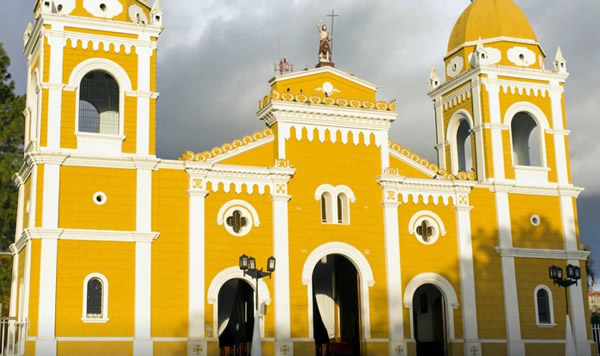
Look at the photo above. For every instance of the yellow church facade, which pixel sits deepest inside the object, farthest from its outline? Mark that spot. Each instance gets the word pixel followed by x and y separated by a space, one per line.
pixel 378 251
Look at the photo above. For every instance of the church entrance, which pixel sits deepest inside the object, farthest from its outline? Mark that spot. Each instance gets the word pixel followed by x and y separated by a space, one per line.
pixel 429 321
pixel 236 318
pixel 336 307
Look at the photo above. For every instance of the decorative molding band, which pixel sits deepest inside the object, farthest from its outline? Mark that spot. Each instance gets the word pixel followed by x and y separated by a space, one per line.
pixel 542 253
pixel 425 190
pixel 87 235
pixel 346 135
pixel 332 116
pixel 224 176
pixel 550 189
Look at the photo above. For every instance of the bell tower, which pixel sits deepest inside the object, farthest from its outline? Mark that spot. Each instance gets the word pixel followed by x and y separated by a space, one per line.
pixel 92 77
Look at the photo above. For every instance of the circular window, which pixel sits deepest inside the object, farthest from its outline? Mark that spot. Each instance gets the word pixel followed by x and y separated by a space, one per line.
pixel 99 198
pixel 535 220
pixel 426 230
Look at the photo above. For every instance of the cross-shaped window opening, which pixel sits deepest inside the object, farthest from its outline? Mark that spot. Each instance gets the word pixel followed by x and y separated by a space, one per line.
pixel 425 230
pixel 237 221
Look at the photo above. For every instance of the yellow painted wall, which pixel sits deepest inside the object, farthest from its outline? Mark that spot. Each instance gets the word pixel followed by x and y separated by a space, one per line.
pixel 440 257
pixel 170 348
pixel 20 281
pixel 34 288
pixel 77 187
pixel 223 250
pixel 355 166
pixel 67 128
pixel 152 137
pixel 77 259
pixel 44 119
pixel 170 261
pixel 261 156
pixel 532 272
pixel 26 200
pixel 488 266
pixel 130 125
pixel 406 170
pixel 549 234
pixel 39 195
pixel 113 348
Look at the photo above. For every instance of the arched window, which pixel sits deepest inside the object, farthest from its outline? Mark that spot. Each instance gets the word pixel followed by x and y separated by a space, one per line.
pixel 326 211
pixel 95 298
pixel 464 146
pixel 99 103
pixel 342 209
pixel 543 306
pixel 525 140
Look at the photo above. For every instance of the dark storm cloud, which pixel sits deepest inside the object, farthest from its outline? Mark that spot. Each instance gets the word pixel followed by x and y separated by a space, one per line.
pixel 216 56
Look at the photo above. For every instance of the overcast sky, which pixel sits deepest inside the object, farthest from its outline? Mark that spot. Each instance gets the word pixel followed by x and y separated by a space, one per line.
pixel 216 56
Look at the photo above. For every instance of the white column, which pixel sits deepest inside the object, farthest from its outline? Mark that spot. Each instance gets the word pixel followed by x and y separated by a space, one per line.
pixel 143 102
pixel 577 310
pixel 12 312
pixel 55 85
pixel 392 271
pixel 516 347
pixel 46 341
pixel 142 344
pixel 283 342
pixel 196 320
pixel 20 209
pixel 559 135
pixel 439 128
pixel 496 122
pixel 467 277
pixel 478 122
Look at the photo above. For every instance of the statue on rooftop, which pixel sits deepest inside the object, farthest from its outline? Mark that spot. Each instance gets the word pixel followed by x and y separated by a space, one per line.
pixel 324 46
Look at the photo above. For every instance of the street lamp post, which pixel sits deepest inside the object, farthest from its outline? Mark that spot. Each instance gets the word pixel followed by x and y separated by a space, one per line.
pixel 248 265
pixel 573 276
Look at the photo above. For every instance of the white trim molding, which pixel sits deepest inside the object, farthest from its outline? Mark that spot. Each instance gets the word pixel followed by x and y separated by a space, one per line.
pixel 438 224
pixel 542 253
pixel 332 208
pixel 103 318
pixel 247 211
pixel 550 306
pixel 362 267
pixel 444 287
pixel 229 273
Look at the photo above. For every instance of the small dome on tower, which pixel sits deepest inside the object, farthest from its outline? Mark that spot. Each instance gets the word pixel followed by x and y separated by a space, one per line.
pixel 490 19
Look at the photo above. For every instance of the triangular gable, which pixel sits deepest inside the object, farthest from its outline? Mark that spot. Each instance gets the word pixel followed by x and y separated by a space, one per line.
pixel 257 150
pixel 325 80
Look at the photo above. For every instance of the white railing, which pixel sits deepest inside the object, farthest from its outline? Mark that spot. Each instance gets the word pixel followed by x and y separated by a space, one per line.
pixel 12 337
pixel 596 337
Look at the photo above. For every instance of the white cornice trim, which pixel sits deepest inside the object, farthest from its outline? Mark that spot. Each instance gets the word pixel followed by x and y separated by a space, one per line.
pixel 550 189
pixel 414 164
pixel 493 40
pixel 325 69
pixel 92 23
pixel 542 253
pixel 240 150
pixel 89 235
pixel 325 115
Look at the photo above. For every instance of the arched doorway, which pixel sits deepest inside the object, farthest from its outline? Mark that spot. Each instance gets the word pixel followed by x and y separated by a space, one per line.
pixel 429 311
pixel 336 307
pixel 235 317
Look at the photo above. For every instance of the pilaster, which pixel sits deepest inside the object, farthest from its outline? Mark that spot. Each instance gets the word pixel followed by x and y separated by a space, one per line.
pixel 143 101
pixel 283 343
pixel 493 90
pixel 472 346
pixel 142 344
pixel 196 314
pixel 55 88
pixel 516 347
pixel 393 270
pixel 478 122
pixel 559 135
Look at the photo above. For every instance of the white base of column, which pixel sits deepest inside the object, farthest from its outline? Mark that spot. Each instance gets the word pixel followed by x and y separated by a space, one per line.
pixel 143 347
pixel 45 347
pixel 516 348
pixel 284 348
pixel 398 348
pixel 583 348
pixel 473 348
pixel 197 347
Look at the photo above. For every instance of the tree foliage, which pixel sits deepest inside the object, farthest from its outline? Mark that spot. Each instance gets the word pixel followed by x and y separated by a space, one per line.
pixel 11 149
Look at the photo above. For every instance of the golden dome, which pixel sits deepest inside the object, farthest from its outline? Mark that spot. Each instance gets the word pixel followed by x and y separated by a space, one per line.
pixel 490 19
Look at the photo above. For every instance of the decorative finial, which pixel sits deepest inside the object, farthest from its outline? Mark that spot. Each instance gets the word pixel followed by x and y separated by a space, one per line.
pixel 156 14
pixel 434 79
pixel 560 63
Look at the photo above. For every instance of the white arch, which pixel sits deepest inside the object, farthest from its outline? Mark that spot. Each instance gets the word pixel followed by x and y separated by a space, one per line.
pixel 445 288
pixel 412 224
pixel 104 64
pixel 334 191
pixel 332 206
pixel 362 267
pixel 104 317
pixel 221 278
pixel 550 306
pixel 538 116
pixel 235 203
pixel 451 135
